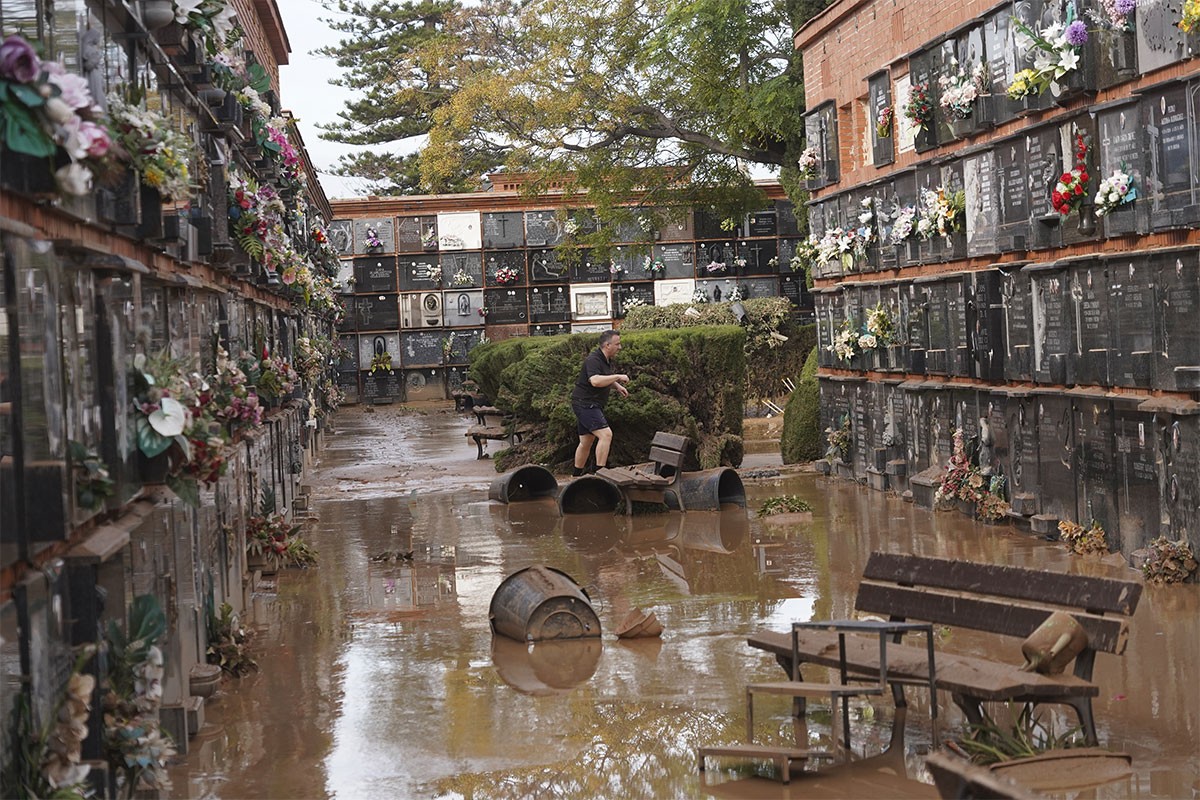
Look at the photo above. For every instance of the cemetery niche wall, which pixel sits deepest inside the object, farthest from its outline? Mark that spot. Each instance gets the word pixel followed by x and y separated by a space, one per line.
pixel 1040 279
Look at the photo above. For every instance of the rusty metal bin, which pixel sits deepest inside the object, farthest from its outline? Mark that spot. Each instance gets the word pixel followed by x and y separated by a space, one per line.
pixel 590 494
pixel 529 482
pixel 708 490
pixel 539 603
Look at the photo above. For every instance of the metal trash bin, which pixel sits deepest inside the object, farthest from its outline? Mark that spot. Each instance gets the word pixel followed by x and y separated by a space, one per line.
pixel 590 494
pixel 708 490
pixel 539 603
pixel 529 482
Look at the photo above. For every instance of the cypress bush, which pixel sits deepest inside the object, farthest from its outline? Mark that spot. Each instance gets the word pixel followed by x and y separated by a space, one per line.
pixel 801 439
pixel 685 381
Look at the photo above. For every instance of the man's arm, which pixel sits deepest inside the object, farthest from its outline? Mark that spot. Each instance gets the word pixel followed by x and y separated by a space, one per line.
pixel 616 380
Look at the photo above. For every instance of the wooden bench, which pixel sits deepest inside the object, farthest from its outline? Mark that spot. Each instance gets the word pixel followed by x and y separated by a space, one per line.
pixel 511 432
pixel 482 412
pixel 650 482
pixel 1011 601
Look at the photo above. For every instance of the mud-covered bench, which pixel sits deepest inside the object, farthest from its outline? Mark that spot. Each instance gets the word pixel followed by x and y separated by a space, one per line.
pixel 481 434
pixel 651 481
pixel 1011 601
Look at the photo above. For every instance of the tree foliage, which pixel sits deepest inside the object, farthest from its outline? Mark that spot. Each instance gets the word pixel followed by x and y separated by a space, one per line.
pixel 668 100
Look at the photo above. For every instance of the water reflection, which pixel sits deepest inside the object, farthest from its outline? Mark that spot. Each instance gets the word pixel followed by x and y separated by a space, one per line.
pixel 545 668
pixel 380 679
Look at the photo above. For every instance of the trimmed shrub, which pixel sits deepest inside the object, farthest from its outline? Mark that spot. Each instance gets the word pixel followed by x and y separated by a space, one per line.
pixel 682 381
pixel 801 439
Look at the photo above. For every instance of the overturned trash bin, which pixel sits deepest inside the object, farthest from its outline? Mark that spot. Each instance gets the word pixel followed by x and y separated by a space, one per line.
pixel 590 494
pixel 708 490
pixel 529 482
pixel 539 603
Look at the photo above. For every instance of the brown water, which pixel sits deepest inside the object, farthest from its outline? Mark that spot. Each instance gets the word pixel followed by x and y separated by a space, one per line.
pixel 382 679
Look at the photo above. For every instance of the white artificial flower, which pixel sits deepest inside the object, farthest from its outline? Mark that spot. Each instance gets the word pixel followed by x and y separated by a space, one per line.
pixel 74 179
pixel 185 7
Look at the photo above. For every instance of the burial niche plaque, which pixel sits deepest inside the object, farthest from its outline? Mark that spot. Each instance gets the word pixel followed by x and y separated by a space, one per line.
pixel 503 230
pixel 420 272
pixel 378 312
pixel 542 229
pixel 979 172
pixel 549 304
pixel 506 306
pixel 422 348
pixel 375 274
pixel 1123 147
pixel 679 260
pixel 416 234
pixel 1013 193
pixel 1172 169
pixel 1178 361
pixel 546 266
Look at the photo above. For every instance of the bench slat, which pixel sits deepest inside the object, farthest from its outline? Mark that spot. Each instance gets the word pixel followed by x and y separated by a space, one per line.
pixel 1107 634
pixel 670 441
pixel 1098 595
pixel 968 675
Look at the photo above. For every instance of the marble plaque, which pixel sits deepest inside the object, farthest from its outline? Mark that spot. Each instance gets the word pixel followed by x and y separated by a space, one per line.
pixel 591 302
pixel 1089 297
pixel 591 269
pixel 1001 57
pixel 1016 299
pixel 375 274
pixel 367 231
pixel 417 234
pixel 1053 329
pixel 1096 482
pixel 1180 453
pixel 1123 146
pixel 792 288
pixel 923 70
pixel 986 320
pixel 420 272
pixel 542 229
pixel 554 329
pixel 678 229
pixel 1173 173
pixel 459 230
pixel 914 309
pixel 550 304
pixel 1134 299
pixel 589 327
pixel 1177 361
pixel 345 280
pixel 424 384
pixel 763 223
pixel 785 214
pixel 1020 423
pixel 503 230
pixel 421 310
pixel 761 256
pixel 821 133
pixel 421 348
pixel 347 383
pixel 708 226
pixel 382 387
pixel 504 259
pixel 981 186
pixel 679 259
pixel 377 312
pixel 937 352
pixel 348 360
pixel 1058 458
pixel 462 270
pixel 1043 167
pixel 958 349
pixel 623 294
pixel 460 307
pixel 545 266
pixel 674 291
pixel 823 308
pixel 506 306
pixel 625 263
pixel 757 287
pixel 1136 473
pixel 1012 190
pixel 879 97
pixel 1159 40
pixel 341 236
pixel 374 344
pixel 1116 57
pixel 638 228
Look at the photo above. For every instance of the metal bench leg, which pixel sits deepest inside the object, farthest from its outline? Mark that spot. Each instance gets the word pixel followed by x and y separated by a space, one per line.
pixel 749 717
pixel 478 444
pixel 1083 707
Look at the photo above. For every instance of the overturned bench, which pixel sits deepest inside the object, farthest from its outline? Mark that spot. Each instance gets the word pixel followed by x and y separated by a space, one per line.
pixel 1011 601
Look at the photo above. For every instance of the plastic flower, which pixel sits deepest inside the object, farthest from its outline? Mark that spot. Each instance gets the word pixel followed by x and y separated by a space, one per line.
pixel 1076 33
pixel 1115 190
pixel 919 107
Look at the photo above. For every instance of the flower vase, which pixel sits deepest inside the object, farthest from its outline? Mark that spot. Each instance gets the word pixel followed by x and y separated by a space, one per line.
pixel 962 128
pixel 1087 219
pixel 157 13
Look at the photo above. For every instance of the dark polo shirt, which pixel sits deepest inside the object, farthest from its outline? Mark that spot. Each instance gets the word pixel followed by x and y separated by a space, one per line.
pixel 584 393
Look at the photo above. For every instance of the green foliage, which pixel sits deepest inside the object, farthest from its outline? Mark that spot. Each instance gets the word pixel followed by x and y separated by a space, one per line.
pixel 670 98
pixel 991 742
pixel 680 383
pixel 783 504
pixel 147 624
pixel 801 439
pixel 227 643
pixel 774 341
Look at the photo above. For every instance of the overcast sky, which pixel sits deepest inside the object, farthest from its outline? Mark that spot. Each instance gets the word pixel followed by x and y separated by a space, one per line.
pixel 306 91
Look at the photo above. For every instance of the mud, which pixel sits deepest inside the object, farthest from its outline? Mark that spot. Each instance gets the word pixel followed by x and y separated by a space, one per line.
pixel 382 678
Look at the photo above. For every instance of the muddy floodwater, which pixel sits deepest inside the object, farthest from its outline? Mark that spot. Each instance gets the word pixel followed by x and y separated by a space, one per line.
pixel 379 676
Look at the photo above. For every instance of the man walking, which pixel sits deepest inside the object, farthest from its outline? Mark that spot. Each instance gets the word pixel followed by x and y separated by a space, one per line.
pixel 588 397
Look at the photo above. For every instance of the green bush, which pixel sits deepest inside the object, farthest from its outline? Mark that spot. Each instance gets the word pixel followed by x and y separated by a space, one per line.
pixel 682 381
pixel 801 439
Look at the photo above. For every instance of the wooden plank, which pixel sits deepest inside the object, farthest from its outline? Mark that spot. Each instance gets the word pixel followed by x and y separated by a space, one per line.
pixel 670 441
pixel 1097 595
pixel 670 458
pixel 967 675
pixel 624 476
pixel 486 432
pixel 964 610
pixel 806 689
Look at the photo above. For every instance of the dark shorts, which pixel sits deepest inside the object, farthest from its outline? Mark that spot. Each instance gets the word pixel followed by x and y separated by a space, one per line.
pixel 591 418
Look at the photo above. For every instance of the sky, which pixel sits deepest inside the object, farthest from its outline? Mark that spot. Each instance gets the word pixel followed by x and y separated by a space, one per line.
pixel 306 92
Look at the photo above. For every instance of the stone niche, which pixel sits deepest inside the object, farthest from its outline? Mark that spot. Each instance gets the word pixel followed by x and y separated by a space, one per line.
pixel 1177 360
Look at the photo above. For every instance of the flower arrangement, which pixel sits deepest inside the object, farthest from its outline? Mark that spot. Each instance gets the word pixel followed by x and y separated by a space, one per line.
pixel 1071 189
pixel 373 241
pixel 963 480
pixel 228 642
pixel 918 109
pixel 883 124
pixel 1115 190
pixel 1080 540
pixel 838 441
pixel 1169 562
pixel 615 269
pixel 507 275
pixel 215 19
pixel 1118 14
pixel 234 399
pixel 1189 21
pixel 44 108
pixel 273 376
pixel 272 537
pixel 159 152
pixel 138 749
pixel 881 324
pixel 483 311
pixel 942 212
pixel 429 237
pixel 461 278
pixel 699 296
pixel 845 341
pixel 570 226
pixel 960 88
pixel 809 163
pixel 1056 55
pixel 904 225
pixel 716 268
pixel 806 253
pixel 632 303
pixel 93 483
pixel 739 262
pixel 654 267
pixel 381 362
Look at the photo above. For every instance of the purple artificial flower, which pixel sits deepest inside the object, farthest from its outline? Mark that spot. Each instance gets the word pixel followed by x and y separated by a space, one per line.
pixel 1125 7
pixel 1076 33
pixel 18 61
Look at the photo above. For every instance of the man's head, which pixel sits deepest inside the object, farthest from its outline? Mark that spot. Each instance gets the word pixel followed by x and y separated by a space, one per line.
pixel 610 344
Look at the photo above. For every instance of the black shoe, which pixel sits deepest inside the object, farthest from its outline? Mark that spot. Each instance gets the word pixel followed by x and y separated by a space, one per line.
pixel 576 472
pixel 596 468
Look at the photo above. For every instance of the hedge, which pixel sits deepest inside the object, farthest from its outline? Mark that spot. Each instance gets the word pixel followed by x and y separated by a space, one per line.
pixel 801 440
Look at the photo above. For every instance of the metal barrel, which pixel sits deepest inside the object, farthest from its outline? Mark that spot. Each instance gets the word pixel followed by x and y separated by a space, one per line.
pixel 708 490
pixel 590 494
pixel 539 603
pixel 529 482
pixel 545 668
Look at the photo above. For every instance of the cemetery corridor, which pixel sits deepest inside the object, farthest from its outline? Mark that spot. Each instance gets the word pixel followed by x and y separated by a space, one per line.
pixel 380 678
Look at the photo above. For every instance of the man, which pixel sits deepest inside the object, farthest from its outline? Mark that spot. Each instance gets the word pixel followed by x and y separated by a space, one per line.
pixel 592 387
